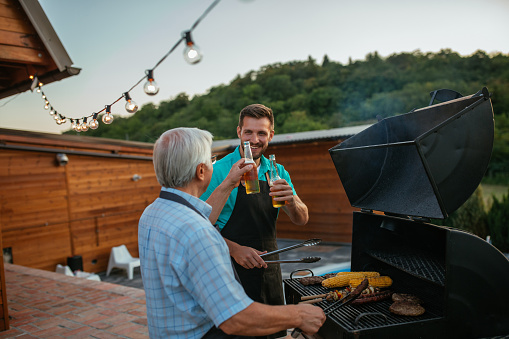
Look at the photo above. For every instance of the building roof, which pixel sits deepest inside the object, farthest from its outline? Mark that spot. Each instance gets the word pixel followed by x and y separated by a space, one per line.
pixel 287 138
pixel 29 46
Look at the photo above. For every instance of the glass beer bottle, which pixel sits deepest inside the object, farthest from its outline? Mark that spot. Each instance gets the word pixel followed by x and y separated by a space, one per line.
pixel 273 176
pixel 251 177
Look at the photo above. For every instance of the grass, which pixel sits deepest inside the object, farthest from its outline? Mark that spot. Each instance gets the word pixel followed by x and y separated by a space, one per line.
pixel 493 190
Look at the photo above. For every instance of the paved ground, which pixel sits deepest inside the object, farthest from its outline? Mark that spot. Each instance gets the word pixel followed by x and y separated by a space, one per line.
pixel 334 257
pixel 44 304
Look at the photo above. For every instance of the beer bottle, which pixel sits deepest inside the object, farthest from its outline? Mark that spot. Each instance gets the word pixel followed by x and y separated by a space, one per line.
pixel 251 177
pixel 273 176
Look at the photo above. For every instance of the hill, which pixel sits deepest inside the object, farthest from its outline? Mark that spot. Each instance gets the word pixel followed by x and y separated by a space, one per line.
pixel 308 96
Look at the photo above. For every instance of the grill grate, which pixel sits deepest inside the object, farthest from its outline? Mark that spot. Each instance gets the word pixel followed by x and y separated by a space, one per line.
pixel 346 316
pixel 413 261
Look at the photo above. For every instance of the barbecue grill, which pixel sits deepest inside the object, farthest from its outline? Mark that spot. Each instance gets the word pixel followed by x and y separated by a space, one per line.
pixel 402 172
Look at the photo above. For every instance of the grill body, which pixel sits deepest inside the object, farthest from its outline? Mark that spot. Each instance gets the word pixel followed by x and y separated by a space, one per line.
pixel 461 279
pixel 420 165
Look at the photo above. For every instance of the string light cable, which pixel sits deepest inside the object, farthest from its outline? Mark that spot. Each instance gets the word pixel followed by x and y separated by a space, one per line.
pixel 192 55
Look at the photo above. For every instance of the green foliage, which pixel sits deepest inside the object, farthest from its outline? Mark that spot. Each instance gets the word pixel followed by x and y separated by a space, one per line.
pixel 306 96
pixel 471 216
pixel 498 217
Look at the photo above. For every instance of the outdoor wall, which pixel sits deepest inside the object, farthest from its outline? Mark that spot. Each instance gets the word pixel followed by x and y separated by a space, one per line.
pixel 318 185
pixel 51 212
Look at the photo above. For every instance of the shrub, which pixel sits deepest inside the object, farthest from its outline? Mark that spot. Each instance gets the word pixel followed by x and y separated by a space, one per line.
pixel 471 216
pixel 498 217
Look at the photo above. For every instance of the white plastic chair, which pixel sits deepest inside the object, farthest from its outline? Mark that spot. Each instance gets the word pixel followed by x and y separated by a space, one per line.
pixel 121 258
pixel 64 270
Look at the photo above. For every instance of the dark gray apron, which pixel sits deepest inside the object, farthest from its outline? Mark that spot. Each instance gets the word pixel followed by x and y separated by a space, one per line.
pixel 214 332
pixel 253 224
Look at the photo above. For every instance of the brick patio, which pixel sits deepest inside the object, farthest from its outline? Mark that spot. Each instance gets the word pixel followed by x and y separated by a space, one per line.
pixel 45 304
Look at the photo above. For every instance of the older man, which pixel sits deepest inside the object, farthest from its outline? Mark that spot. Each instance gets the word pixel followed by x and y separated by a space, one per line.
pixel 190 286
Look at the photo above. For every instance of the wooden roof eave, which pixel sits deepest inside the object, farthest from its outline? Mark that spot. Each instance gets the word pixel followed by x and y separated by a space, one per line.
pixel 46 33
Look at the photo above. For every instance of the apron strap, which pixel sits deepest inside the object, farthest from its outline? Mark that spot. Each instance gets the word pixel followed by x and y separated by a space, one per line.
pixel 177 198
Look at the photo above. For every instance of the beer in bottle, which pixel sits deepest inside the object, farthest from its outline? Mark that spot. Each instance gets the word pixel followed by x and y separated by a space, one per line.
pixel 251 177
pixel 273 176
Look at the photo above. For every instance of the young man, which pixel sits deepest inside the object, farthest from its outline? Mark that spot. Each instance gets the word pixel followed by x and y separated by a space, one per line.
pixel 248 221
pixel 190 286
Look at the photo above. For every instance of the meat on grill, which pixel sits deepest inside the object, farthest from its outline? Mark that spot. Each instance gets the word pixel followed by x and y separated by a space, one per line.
pixel 315 280
pixel 406 308
pixel 406 297
pixel 372 297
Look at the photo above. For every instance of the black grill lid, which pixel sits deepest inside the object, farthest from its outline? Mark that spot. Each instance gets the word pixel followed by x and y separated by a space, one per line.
pixel 424 163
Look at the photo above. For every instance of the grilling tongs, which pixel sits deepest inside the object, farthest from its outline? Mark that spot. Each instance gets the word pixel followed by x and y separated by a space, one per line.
pixel 309 242
pixel 338 304
pixel 303 260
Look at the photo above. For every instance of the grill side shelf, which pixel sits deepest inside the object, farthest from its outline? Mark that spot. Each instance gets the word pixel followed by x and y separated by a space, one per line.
pixel 413 261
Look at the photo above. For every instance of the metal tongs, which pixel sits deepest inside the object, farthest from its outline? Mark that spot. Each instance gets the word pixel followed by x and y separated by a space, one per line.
pixel 338 304
pixel 309 242
pixel 304 260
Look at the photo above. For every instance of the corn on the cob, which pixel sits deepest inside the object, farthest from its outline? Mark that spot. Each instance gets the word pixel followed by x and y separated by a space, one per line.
pixel 342 279
pixel 381 282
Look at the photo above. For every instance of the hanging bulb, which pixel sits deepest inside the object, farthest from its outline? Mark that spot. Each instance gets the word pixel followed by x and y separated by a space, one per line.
pixel 52 111
pixel 108 118
pixel 192 53
pixel 46 104
pixel 39 88
pixel 78 126
pixel 73 125
pixel 93 124
pixel 59 121
pixel 62 118
pixel 130 105
pixel 150 86
pixel 56 117
pixel 84 125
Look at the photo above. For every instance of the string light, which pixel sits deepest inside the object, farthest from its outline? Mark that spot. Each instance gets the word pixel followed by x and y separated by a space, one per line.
pixel 150 86
pixel 93 124
pixel 192 55
pixel 108 118
pixel 130 106
pixel 77 127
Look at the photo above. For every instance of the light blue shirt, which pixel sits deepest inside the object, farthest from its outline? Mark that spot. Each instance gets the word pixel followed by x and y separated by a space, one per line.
pixel 222 168
pixel 186 270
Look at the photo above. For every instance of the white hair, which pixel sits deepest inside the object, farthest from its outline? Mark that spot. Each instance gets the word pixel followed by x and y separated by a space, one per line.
pixel 177 152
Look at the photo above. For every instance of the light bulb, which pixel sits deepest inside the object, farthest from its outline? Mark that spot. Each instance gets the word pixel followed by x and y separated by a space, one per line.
pixel 93 124
pixel 130 106
pixel 52 111
pixel 192 53
pixel 150 86
pixel 107 118
pixel 59 122
pixel 56 117
pixel 84 125
pixel 77 128
pixel 46 105
pixel 73 125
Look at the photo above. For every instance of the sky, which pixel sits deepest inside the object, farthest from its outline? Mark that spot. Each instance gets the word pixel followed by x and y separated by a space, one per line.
pixel 115 41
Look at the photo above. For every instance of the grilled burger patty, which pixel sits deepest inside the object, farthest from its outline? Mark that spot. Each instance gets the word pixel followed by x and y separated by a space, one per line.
pixel 406 308
pixel 405 297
